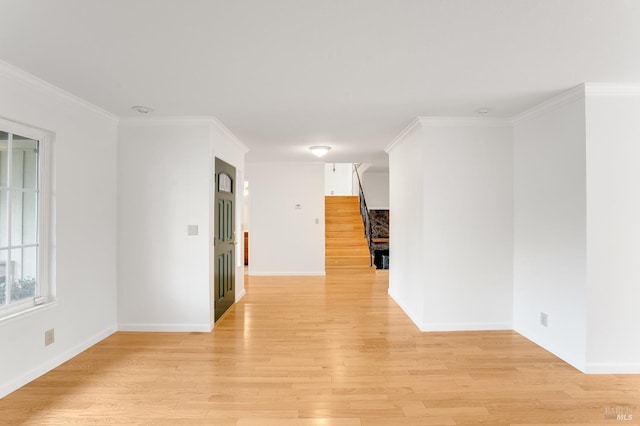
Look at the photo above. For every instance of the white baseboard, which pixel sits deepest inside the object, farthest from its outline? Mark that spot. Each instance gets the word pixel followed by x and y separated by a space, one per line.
pixel 466 326
pixel 572 359
pixel 18 382
pixel 240 295
pixel 611 368
pixel 454 326
pixel 168 328
pixel 404 308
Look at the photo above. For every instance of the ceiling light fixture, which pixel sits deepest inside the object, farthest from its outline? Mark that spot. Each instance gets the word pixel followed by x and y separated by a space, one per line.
pixel 319 150
pixel 142 109
pixel 482 111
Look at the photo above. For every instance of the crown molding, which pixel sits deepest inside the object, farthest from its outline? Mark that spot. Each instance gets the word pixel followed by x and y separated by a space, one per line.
pixel 564 98
pixel 166 121
pixel 424 122
pixel 217 123
pixel 261 163
pixel 11 71
pixel 464 122
pixel 608 89
pixel 415 123
pixel 183 121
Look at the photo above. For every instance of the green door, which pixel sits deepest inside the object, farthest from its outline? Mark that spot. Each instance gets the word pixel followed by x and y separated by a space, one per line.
pixel 225 238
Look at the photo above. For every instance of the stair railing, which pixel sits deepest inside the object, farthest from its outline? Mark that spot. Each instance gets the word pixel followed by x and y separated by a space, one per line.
pixel 364 212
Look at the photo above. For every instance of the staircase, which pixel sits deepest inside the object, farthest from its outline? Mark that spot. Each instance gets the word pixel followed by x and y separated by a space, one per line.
pixel 346 248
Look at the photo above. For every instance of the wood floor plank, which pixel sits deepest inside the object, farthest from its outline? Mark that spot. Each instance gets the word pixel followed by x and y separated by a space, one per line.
pixel 309 351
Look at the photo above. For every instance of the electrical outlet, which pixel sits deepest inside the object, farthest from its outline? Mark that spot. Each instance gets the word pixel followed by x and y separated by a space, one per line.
pixel 49 337
pixel 544 319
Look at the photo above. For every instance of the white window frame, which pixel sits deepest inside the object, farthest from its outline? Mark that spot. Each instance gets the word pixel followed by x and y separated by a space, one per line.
pixel 46 291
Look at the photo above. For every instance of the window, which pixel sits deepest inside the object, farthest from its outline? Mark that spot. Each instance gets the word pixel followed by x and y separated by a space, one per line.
pixel 24 279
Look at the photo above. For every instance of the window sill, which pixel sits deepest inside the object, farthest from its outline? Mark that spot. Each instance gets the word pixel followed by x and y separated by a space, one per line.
pixel 12 316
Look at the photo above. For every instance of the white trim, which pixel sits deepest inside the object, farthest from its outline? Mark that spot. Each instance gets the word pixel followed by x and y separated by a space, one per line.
pixel 458 326
pixel 23 129
pixel 47 222
pixel 166 121
pixel 404 309
pixel 610 368
pixel 415 123
pixel 45 190
pixel 608 89
pixel 183 121
pixel 28 311
pixel 18 382
pixel 555 102
pixel 230 135
pixel 422 122
pixel 285 163
pixel 179 328
pixel 466 326
pixel 240 295
pixel 33 81
pixel 464 122
pixel 574 362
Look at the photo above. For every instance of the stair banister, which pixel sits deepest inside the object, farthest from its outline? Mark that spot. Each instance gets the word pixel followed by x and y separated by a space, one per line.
pixel 364 212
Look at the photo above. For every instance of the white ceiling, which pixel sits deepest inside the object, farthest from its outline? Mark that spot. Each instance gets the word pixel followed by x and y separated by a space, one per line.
pixel 286 74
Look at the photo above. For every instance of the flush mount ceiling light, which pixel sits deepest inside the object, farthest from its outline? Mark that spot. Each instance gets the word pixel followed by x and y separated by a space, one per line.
pixel 142 109
pixel 319 150
pixel 482 111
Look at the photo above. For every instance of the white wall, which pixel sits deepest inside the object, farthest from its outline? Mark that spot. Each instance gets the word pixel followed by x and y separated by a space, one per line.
pixel 467 225
pixel 451 224
pixel 284 239
pixel 550 232
pixel 613 230
pixel 84 203
pixel 165 171
pixel 406 274
pixel 376 190
pixel 245 208
pixel 338 179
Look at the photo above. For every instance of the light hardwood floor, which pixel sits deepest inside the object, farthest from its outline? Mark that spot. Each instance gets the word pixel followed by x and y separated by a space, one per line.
pixel 320 351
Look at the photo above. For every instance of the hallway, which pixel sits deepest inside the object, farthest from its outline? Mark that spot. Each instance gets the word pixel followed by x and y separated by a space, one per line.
pixel 318 351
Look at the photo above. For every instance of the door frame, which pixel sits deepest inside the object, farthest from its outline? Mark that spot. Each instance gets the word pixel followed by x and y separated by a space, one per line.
pixel 238 163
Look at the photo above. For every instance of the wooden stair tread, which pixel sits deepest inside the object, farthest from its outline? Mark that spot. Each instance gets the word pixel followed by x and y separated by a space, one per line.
pixel 344 243
pixel 346 252
pixel 348 270
pixel 346 248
